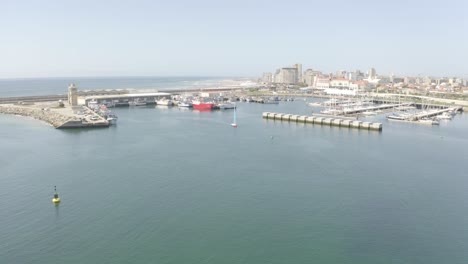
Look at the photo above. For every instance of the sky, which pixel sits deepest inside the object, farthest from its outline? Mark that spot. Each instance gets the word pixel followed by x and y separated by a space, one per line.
pixel 231 38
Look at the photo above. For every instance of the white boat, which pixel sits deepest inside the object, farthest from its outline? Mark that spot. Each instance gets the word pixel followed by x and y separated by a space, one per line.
pixel 185 104
pixel 428 121
pixel 137 103
pixel 445 116
pixel 396 117
pixel 164 101
pixel 314 104
pixel 112 120
pixel 227 106
pixel 331 112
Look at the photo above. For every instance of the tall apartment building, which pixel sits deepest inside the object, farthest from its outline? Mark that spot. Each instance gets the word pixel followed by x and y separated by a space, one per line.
pixel 298 67
pixel 372 74
pixel 286 76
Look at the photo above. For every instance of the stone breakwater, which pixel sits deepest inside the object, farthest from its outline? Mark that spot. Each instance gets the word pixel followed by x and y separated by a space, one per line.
pixel 49 116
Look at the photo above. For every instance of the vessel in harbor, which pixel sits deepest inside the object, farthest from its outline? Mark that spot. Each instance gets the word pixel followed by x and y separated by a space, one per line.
pixel 185 104
pixel 396 117
pixel 202 105
pixel 137 102
pixel 227 106
pixel 164 101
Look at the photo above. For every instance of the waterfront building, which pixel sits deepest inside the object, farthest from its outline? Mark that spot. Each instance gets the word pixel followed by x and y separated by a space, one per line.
pixel 322 83
pixel 340 83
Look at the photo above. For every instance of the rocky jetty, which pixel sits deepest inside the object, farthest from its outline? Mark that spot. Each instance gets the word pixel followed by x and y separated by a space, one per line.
pixel 43 114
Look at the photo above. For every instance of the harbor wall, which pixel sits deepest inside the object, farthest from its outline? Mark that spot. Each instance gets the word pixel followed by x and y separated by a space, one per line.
pixel 51 117
pixel 316 120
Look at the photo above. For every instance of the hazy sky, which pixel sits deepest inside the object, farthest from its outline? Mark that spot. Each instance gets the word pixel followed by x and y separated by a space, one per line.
pixel 49 38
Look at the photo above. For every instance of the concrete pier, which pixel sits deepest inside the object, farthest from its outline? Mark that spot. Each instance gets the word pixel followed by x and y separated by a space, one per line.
pixel 316 120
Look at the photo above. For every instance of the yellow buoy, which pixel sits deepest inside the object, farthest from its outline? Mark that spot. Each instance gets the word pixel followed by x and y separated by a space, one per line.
pixel 56 199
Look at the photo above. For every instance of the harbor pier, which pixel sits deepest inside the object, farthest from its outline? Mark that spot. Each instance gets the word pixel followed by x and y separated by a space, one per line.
pixel 318 120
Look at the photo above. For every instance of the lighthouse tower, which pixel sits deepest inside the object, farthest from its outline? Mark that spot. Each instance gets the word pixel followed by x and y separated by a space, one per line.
pixel 72 95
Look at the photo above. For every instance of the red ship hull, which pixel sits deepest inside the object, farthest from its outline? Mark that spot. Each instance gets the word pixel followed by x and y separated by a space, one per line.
pixel 203 106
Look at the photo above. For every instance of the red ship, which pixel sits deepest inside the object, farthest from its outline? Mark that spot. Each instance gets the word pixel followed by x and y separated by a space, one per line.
pixel 202 106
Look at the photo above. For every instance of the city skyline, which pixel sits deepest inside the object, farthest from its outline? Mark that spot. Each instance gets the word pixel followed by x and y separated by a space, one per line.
pixel 208 38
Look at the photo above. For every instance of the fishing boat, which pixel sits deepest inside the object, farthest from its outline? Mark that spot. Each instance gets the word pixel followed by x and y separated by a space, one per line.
pixel 428 121
pixel 202 105
pixel 137 102
pixel 112 119
pixel 164 101
pixel 234 122
pixel 184 104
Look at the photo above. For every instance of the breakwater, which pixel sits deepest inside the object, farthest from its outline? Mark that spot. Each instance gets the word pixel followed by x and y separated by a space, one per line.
pixel 58 119
pixel 55 119
pixel 317 120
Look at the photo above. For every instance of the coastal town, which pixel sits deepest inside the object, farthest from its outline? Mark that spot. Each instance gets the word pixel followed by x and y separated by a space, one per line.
pixel 351 83
pixel 342 99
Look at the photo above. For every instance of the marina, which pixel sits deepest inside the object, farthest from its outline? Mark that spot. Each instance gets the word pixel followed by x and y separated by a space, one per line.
pixel 91 109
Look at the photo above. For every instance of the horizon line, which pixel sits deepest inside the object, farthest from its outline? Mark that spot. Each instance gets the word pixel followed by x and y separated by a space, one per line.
pixel 125 76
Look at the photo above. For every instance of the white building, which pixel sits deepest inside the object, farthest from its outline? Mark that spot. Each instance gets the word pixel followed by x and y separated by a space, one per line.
pixel 322 83
pixel 340 83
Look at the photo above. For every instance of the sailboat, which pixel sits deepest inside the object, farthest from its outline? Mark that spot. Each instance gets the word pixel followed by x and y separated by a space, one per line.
pixel 234 123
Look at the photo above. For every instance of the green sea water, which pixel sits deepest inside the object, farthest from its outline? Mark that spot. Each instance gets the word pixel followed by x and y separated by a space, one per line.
pixel 179 186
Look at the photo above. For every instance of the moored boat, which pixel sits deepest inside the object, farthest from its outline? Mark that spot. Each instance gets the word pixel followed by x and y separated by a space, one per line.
pixel 444 115
pixel 202 105
pixel 428 121
pixel 184 104
pixel 164 101
pixel 396 117
pixel 138 102
pixel 227 106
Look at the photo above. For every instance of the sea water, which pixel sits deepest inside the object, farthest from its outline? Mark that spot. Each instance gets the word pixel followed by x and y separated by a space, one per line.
pixel 170 185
